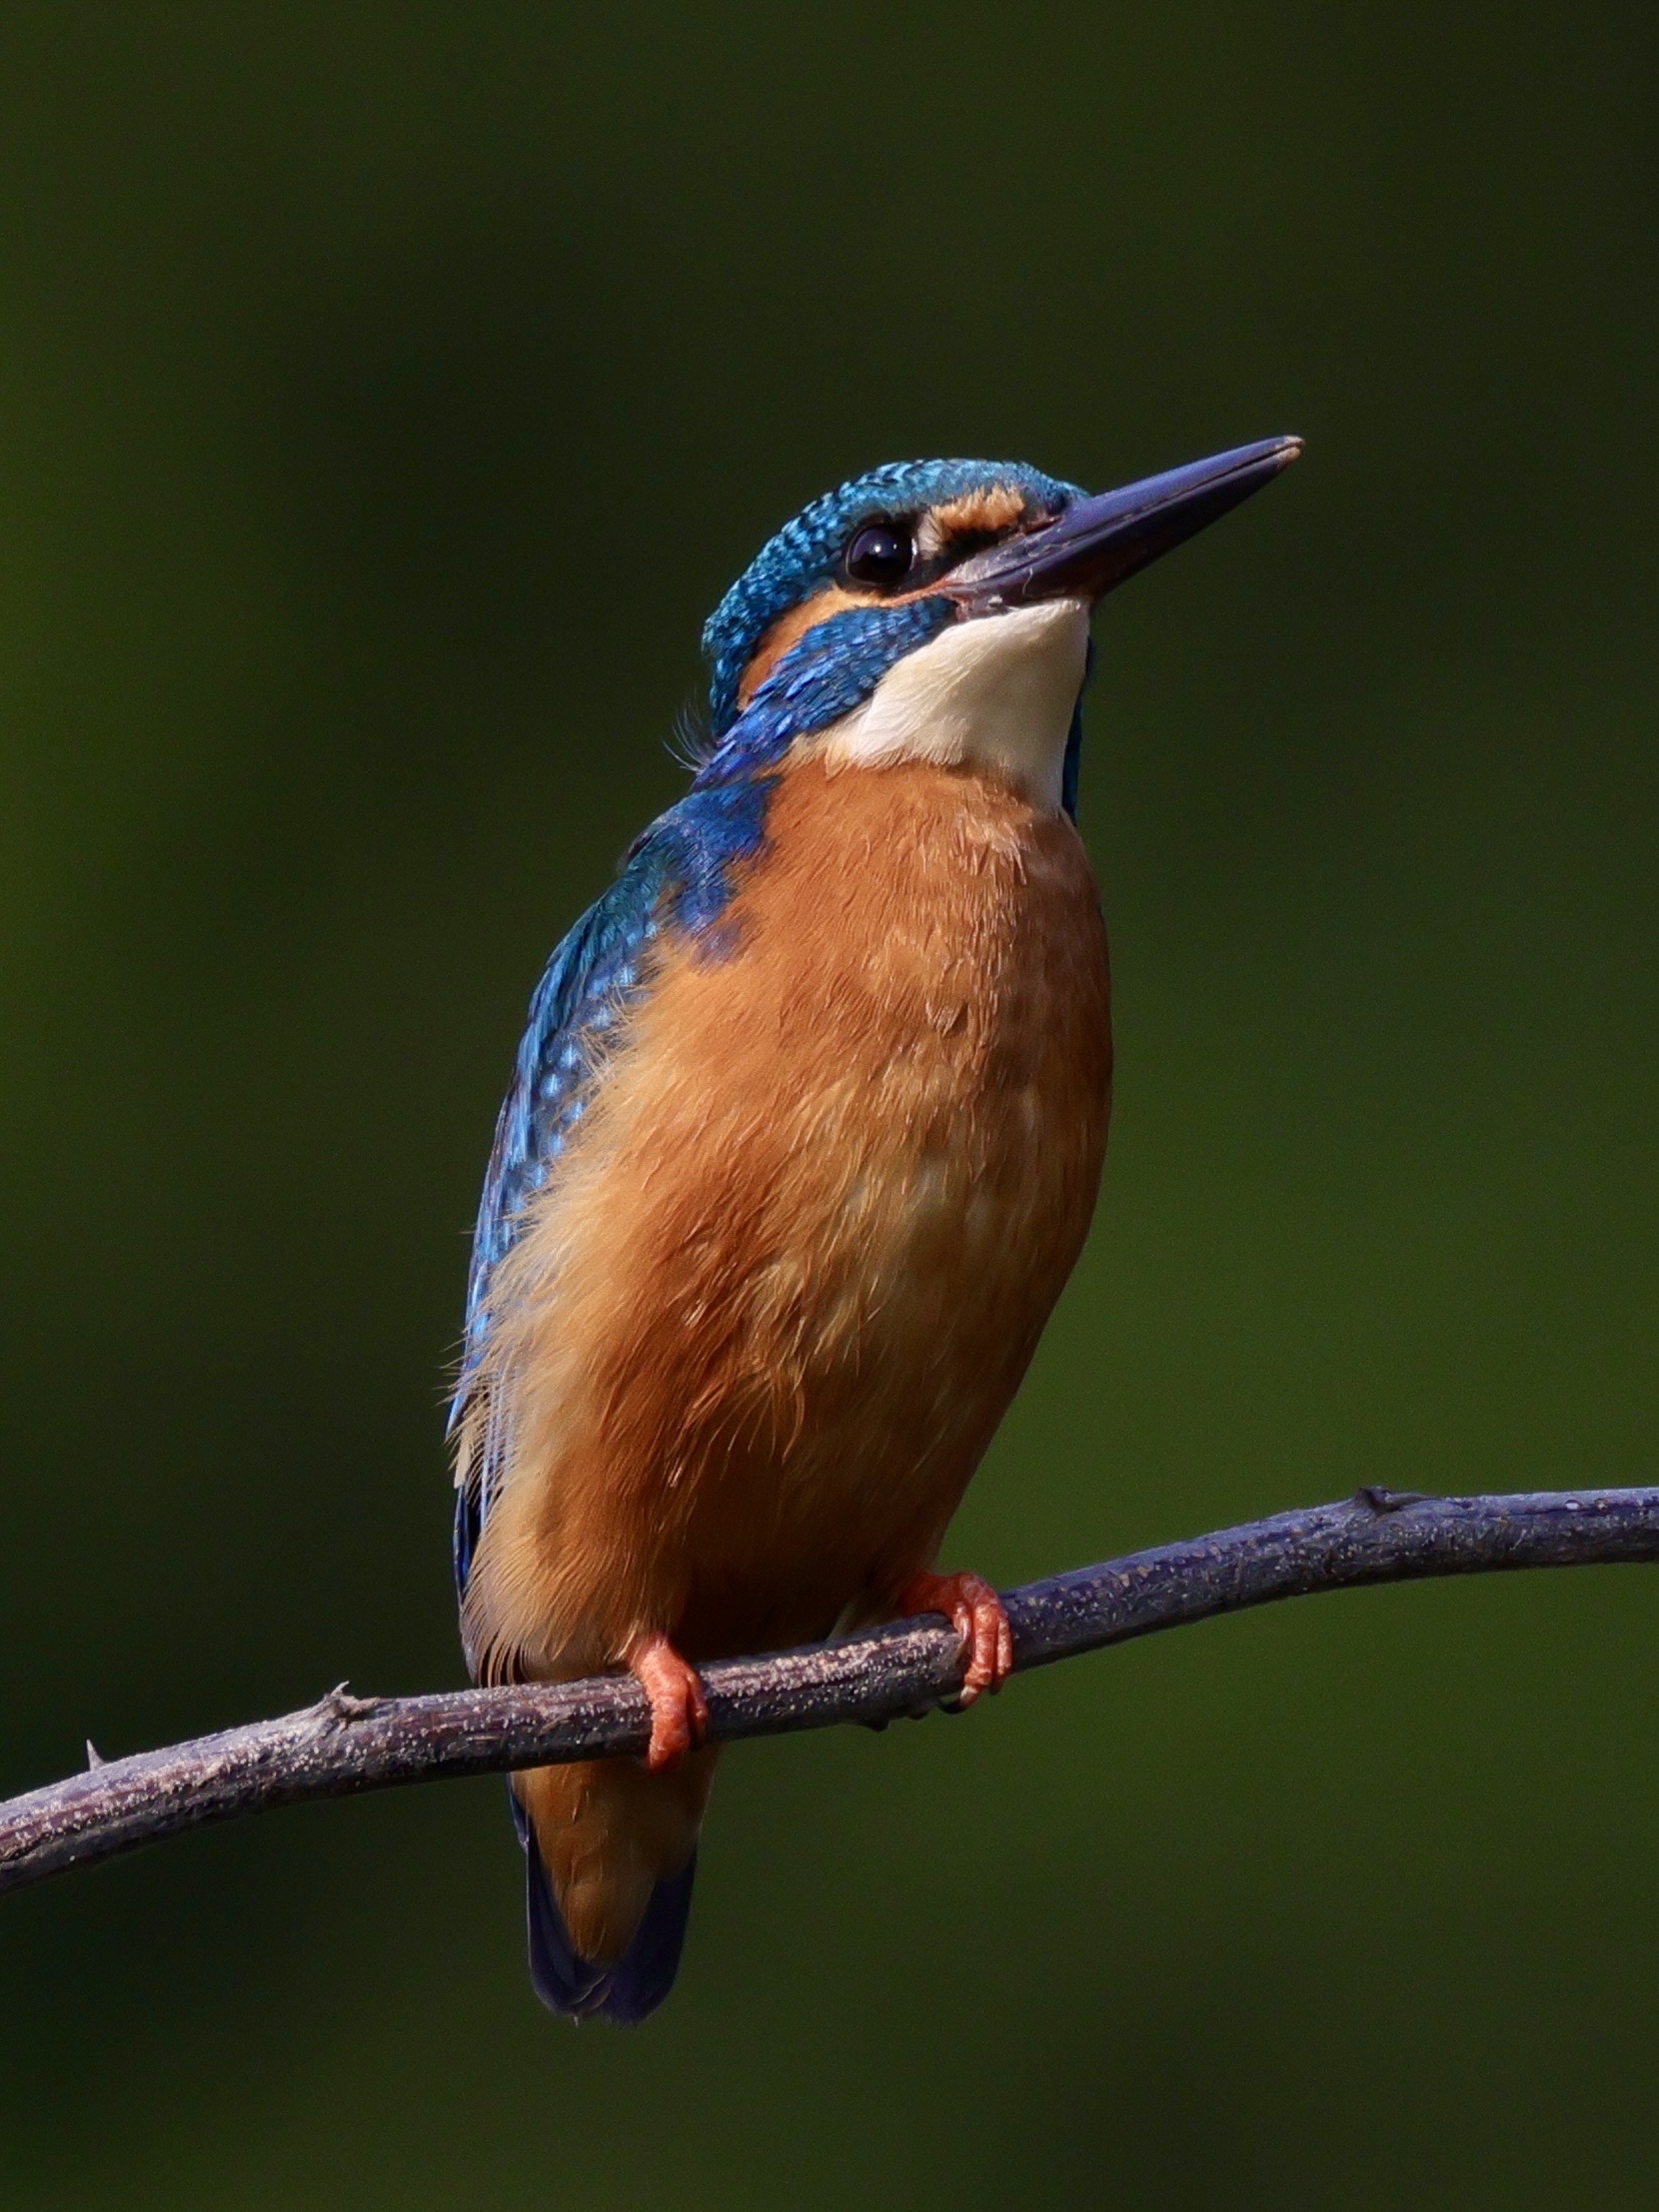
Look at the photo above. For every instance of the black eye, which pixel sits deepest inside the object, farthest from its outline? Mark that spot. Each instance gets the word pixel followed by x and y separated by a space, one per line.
pixel 881 552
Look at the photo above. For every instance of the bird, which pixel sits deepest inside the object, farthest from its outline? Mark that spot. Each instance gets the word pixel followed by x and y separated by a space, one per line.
pixel 802 1140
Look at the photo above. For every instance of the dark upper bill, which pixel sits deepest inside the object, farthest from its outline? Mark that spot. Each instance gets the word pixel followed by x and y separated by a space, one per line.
pixel 1098 541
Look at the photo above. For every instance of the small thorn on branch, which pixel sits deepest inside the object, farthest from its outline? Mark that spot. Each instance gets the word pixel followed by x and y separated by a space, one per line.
pixel 340 1704
pixel 1390 1500
pixel 94 1756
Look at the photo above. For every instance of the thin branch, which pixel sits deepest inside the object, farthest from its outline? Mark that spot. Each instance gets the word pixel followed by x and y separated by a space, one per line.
pixel 345 1745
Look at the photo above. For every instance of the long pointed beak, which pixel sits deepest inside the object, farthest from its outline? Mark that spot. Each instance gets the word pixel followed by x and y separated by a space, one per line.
pixel 1096 543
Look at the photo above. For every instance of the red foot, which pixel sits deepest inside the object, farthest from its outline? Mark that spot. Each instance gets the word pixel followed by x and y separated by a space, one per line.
pixel 975 1608
pixel 678 1714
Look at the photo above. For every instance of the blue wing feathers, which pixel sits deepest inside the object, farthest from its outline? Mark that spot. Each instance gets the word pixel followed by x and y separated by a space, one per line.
pixel 590 979
pixel 676 879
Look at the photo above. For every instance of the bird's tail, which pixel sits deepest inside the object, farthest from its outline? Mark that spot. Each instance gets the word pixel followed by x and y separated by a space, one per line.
pixel 629 1990
pixel 610 1859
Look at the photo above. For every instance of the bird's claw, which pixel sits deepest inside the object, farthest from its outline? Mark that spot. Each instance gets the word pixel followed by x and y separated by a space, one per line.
pixel 980 1621
pixel 679 1709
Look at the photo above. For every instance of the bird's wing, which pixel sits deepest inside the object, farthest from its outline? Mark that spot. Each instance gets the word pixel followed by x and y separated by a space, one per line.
pixel 588 983
pixel 676 876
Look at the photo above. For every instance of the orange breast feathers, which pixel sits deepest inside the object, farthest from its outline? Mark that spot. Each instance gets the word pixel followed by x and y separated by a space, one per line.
pixel 759 1332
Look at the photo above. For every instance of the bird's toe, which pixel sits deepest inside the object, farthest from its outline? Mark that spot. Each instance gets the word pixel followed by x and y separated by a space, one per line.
pixel 679 1709
pixel 980 1620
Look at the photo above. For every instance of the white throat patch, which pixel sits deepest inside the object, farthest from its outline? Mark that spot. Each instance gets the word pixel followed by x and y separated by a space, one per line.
pixel 996 692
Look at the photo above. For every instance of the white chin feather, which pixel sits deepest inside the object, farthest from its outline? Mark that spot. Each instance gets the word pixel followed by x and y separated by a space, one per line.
pixel 996 692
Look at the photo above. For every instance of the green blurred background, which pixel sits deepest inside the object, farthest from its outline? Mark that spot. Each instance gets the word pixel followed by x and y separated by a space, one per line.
pixel 386 394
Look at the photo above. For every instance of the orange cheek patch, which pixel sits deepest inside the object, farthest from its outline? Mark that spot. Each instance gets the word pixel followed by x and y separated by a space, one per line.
pixel 997 508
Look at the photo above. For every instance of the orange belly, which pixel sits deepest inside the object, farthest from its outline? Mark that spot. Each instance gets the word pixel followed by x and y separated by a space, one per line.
pixel 758 1335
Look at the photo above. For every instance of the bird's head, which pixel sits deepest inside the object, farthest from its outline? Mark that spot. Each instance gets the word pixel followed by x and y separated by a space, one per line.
pixel 941 608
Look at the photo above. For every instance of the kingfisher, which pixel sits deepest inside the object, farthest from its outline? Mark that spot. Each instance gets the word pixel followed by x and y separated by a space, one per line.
pixel 802 1140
